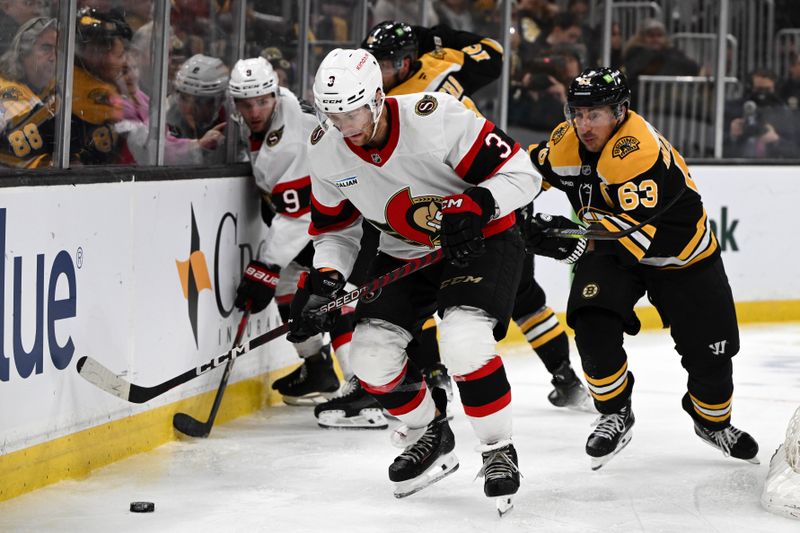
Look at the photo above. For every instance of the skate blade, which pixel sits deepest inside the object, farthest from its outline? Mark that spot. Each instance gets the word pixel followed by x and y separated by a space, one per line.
pixel 586 405
pixel 441 468
pixel 504 504
pixel 753 460
pixel 371 418
pixel 315 398
pixel 599 462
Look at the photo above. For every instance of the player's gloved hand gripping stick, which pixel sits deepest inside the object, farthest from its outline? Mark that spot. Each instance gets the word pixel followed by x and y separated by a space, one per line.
pixel 100 376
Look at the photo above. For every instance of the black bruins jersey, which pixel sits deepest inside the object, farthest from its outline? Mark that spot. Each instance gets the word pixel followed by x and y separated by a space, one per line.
pixel 637 174
pixel 96 106
pixel 27 140
pixel 455 62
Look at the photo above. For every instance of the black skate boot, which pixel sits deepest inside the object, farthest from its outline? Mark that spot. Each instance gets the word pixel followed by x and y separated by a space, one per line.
pixel 568 391
pixel 501 473
pixel 353 408
pixel 732 441
pixel 311 383
pixel 611 434
pixel 426 461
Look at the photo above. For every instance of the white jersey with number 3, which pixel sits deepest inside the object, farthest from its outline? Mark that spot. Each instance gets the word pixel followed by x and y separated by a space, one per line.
pixel 436 147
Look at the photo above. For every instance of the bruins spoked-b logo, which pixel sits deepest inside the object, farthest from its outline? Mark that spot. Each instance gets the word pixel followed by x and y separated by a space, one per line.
pixel 624 146
pixel 274 137
pixel 590 290
pixel 558 134
pixel 414 219
pixel 426 105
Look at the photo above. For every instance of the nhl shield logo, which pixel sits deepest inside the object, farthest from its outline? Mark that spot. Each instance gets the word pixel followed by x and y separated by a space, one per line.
pixel 376 158
pixel 624 146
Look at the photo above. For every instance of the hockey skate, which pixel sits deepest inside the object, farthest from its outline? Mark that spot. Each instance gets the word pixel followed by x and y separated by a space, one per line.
pixel 426 461
pixel 501 474
pixel 352 408
pixel 732 441
pixel 568 391
pixel 311 383
pixel 611 434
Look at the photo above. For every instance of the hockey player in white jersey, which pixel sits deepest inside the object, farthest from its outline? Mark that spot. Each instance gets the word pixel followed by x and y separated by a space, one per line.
pixel 427 172
pixel 276 129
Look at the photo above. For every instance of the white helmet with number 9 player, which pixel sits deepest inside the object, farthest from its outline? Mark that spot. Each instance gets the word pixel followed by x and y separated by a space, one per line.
pixel 347 82
pixel 254 92
pixel 252 77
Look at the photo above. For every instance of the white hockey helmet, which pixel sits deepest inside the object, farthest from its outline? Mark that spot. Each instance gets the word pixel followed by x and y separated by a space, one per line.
pixel 202 76
pixel 347 80
pixel 252 77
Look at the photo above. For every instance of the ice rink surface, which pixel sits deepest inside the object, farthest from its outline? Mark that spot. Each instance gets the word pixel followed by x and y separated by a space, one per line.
pixel 277 472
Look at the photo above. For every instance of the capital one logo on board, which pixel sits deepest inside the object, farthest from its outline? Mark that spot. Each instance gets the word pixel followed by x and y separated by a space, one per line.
pixel 195 276
pixel 48 301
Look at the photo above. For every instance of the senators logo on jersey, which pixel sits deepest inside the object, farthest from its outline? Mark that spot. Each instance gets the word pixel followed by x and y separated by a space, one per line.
pixel 625 146
pixel 274 137
pixel 414 219
pixel 426 105
pixel 317 134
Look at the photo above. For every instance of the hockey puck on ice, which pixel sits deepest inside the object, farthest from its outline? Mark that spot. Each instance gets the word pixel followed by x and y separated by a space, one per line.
pixel 142 507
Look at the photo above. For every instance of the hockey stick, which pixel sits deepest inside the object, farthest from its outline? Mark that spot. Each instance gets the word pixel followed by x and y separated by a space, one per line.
pixel 100 376
pixel 604 234
pixel 187 424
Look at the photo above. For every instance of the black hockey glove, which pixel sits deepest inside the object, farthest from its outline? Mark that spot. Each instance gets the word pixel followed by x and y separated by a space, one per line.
pixel 565 249
pixel 258 286
pixel 463 218
pixel 314 290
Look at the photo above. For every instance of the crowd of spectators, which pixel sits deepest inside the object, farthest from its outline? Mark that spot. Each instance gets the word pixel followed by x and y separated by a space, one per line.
pixel 551 42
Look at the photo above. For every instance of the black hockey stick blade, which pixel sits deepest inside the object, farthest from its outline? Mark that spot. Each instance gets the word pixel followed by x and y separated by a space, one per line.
pixel 100 376
pixel 187 424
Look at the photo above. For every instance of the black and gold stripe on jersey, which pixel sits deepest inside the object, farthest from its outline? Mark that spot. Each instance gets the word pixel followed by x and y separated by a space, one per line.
pixel 637 174
pixel 718 412
pixel 29 135
pixel 609 387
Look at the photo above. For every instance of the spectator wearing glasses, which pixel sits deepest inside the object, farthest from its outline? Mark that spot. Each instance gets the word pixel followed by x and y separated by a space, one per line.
pixel 27 98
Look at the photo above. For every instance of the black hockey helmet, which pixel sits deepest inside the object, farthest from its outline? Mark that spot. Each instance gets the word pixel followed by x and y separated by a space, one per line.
pixel 391 40
pixel 596 87
pixel 101 27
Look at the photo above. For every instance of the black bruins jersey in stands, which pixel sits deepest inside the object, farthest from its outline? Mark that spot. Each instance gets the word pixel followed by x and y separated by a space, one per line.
pixel 96 106
pixel 455 62
pixel 27 139
pixel 635 176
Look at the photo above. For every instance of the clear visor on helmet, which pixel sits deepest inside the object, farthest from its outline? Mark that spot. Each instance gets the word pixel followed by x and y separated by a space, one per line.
pixel 349 123
pixel 591 116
